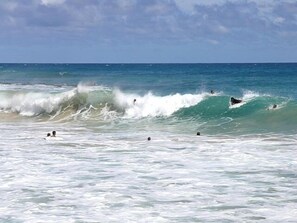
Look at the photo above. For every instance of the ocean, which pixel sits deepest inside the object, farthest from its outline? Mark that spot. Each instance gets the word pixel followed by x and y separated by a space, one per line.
pixel 101 167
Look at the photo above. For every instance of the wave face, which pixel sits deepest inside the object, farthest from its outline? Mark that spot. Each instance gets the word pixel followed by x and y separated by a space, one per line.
pixel 212 113
pixel 60 103
pixel 92 100
pixel 254 114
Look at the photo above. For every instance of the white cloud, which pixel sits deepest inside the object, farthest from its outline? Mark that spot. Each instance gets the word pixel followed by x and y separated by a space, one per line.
pixel 278 20
pixel 186 6
pixel 222 29
pixel 125 4
pixel 52 2
pixel 8 5
pixel 213 42
pixel 159 8
pixel 205 19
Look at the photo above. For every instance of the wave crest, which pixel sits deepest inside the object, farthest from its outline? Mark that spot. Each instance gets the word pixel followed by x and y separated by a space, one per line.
pixel 151 105
pixel 93 101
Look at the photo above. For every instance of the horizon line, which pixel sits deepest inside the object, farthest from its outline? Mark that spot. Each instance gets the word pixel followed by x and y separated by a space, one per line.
pixel 127 63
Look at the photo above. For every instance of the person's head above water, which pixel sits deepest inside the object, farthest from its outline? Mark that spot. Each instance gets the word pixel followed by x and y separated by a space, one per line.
pixel 54 133
pixel 48 134
pixel 149 138
pixel 198 133
pixel 274 106
pixel 134 101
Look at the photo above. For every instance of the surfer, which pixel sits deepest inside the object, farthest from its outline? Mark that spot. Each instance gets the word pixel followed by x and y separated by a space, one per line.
pixel 274 106
pixel 235 101
pixel 198 133
pixel 134 101
pixel 54 134
pixel 211 91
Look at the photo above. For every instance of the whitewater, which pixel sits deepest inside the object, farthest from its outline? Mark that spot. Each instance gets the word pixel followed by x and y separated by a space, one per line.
pixel 101 167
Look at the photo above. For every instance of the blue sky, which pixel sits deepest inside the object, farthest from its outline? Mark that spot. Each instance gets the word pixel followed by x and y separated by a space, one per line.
pixel 151 31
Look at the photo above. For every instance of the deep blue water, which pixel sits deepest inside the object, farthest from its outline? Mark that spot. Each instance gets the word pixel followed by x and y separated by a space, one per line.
pixel 278 79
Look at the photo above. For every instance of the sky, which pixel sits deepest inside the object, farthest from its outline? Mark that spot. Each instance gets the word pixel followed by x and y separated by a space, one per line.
pixel 148 31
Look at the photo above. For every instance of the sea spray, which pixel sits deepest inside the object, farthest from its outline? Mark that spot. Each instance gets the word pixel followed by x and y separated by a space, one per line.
pixel 151 105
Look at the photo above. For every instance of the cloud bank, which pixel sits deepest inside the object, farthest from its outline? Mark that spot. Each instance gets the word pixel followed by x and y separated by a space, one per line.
pixel 212 22
pixel 168 19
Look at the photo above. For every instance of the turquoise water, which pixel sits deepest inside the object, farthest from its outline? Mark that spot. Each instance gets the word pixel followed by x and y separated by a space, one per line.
pixel 177 91
pixel 102 168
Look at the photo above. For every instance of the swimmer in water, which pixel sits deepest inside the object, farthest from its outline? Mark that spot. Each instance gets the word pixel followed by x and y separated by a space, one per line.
pixel 211 91
pixel 134 101
pixel 54 134
pixel 149 139
pixel 48 135
pixel 198 133
pixel 273 107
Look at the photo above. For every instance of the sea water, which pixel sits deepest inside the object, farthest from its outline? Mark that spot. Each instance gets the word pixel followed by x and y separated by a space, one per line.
pixel 101 167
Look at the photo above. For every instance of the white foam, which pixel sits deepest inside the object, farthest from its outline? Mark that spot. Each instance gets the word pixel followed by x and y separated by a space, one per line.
pixel 53 138
pixel 151 105
pixel 29 102
pixel 250 95
pixel 91 174
pixel 247 97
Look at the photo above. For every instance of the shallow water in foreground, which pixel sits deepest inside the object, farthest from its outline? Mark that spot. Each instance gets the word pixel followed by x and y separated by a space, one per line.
pixel 97 175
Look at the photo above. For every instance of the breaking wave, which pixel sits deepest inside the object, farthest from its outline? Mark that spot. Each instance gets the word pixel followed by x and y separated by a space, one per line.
pixel 91 100
pixel 86 102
